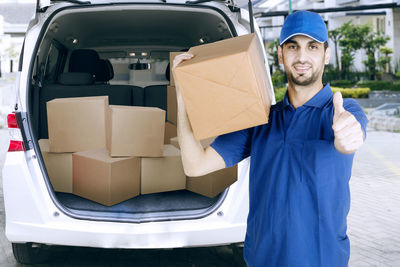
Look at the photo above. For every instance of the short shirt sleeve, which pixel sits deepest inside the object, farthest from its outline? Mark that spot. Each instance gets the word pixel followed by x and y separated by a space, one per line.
pixel 354 108
pixel 233 147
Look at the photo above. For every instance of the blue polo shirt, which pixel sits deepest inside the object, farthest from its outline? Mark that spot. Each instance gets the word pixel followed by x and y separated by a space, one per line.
pixel 299 184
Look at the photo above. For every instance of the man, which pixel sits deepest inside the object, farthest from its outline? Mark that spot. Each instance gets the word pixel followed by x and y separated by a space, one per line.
pixel 300 161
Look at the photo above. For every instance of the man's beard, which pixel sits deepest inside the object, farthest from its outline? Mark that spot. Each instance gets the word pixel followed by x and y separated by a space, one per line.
pixel 313 78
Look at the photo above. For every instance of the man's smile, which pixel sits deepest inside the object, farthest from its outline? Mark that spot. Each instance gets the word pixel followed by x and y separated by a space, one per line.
pixel 302 68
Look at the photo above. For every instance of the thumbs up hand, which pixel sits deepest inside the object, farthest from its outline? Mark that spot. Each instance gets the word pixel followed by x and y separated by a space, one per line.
pixel 348 133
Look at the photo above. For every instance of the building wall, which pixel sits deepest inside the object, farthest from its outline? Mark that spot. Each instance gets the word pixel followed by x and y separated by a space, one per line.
pixel 338 19
pixel 396 38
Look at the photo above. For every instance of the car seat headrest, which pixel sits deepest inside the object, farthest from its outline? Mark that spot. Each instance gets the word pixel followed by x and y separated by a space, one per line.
pixel 104 71
pixel 84 60
pixel 76 78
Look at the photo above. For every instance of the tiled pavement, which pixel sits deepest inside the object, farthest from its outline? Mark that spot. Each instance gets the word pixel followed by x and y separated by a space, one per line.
pixel 374 220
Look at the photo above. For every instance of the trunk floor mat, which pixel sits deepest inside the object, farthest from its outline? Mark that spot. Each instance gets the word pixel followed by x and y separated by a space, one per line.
pixel 158 202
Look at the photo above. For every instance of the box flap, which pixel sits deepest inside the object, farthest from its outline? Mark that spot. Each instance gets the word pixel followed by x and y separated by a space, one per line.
pixel 100 155
pixel 228 105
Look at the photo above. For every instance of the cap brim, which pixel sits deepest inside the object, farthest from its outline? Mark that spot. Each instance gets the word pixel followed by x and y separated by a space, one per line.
pixel 304 34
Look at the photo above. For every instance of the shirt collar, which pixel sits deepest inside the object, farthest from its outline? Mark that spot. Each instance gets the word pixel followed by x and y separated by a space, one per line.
pixel 321 98
pixel 318 100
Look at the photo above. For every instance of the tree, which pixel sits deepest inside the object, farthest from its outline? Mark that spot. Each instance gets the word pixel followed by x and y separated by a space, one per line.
pixel 371 43
pixel 273 53
pixel 277 76
pixel 384 62
pixel 351 41
pixel 335 35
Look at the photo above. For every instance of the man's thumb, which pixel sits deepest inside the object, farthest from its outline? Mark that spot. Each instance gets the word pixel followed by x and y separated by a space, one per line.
pixel 338 104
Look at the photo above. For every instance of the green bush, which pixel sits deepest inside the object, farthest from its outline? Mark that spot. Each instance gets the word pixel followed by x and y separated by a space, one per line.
pixel 278 78
pixel 346 92
pixel 352 92
pixel 331 75
pixel 380 85
pixel 342 83
pixel 279 93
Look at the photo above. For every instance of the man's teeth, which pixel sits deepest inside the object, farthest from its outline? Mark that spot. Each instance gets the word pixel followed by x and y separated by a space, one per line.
pixel 302 68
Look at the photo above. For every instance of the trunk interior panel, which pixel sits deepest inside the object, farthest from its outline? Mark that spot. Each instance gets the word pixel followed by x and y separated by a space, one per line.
pixel 115 34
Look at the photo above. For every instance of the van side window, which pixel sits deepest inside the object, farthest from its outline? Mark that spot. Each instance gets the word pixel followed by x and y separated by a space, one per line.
pixel 54 62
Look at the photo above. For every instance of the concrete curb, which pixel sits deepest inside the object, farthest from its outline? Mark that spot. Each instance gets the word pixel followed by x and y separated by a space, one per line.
pixel 384 123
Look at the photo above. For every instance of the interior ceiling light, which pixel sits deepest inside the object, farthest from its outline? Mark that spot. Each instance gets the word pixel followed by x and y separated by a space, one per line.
pixel 72 40
pixel 132 54
pixel 144 54
pixel 201 40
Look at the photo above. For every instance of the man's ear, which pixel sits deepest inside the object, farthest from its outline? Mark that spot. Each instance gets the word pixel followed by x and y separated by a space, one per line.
pixel 327 55
pixel 280 59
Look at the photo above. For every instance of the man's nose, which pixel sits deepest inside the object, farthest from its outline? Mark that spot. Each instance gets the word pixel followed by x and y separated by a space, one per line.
pixel 302 55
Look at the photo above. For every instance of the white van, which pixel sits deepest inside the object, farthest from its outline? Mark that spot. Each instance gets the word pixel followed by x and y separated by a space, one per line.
pixel 136 38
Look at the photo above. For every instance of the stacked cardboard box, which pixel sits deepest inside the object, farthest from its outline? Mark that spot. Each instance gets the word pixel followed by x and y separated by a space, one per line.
pixel 58 166
pixel 75 124
pixel 108 142
pixel 106 180
pixel 72 122
pixel 172 105
pixel 135 131
pixel 164 173
pixel 213 183
pixel 170 131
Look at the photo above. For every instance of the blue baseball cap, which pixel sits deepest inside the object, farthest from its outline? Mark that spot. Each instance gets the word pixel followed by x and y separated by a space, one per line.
pixel 304 23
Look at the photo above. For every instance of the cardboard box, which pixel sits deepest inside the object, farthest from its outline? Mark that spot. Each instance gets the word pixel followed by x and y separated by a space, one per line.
pixel 205 142
pixel 136 131
pixel 163 174
pixel 106 180
pixel 77 124
pixel 213 183
pixel 172 56
pixel 172 105
pixel 58 166
pixel 174 141
pixel 170 131
pixel 225 86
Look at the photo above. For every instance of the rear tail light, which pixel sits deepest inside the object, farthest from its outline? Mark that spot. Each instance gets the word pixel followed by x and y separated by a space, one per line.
pixel 16 141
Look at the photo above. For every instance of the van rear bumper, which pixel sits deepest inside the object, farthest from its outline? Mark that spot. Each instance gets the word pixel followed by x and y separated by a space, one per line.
pixel 150 235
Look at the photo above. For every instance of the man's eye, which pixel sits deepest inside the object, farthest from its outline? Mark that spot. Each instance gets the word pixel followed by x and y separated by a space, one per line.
pixel 313 47
pixel 292 47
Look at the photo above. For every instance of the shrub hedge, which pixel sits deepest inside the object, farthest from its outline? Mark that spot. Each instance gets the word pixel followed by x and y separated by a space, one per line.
pixel 346 92
pixel 380 85
pixel 352 92
pixel 342 83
